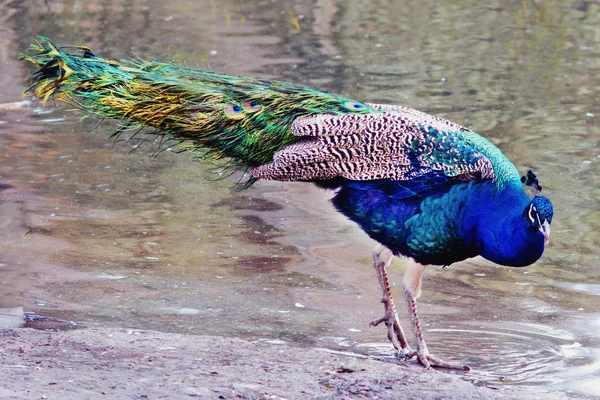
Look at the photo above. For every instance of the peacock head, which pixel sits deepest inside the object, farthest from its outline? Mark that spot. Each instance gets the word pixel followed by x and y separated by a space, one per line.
pixel 539 215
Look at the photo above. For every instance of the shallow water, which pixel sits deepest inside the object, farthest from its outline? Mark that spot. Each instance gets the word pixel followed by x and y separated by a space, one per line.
pixel 93 234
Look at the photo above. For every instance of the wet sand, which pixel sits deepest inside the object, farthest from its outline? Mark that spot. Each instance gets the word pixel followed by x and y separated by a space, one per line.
pixel 132 364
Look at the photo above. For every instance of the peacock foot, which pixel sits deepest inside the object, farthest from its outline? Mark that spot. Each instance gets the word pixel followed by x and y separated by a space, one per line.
pixel 428 361
pixel 395 334
pixel 382 257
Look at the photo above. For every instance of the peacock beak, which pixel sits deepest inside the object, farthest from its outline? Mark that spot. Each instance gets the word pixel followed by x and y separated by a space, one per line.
pixel 545 229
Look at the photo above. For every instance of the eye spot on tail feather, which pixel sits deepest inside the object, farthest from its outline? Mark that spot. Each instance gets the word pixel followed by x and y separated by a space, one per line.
pixel 354 106
pixel 234 110
pixel 252 106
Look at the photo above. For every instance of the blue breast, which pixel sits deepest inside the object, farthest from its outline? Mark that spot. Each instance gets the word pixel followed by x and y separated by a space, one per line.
pixel 443 225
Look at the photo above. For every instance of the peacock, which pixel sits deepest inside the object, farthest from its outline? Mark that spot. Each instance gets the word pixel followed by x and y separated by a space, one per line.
pixel 422 187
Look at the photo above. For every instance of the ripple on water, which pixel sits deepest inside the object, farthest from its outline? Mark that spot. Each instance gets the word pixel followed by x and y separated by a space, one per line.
pixel 521 354
pixel 508 354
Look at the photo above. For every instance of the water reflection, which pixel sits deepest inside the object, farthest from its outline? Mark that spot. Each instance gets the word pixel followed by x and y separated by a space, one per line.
pixel 94 234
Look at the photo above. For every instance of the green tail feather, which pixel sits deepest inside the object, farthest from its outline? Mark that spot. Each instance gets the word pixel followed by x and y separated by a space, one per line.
pixel 216 115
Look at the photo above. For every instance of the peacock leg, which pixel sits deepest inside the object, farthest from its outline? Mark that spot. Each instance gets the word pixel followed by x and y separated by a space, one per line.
pixel 382 257
pixel 411 285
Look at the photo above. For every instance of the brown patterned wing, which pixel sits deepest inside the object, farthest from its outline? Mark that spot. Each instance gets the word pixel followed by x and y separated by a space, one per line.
pixel 400 144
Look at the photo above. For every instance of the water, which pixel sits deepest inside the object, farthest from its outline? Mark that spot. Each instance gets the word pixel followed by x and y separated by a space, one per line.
pixel 94 234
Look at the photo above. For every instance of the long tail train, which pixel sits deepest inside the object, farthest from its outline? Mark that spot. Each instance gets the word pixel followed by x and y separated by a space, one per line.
pixel 215 115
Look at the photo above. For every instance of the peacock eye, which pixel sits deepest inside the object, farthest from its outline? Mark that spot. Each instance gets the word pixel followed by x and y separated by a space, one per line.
pixel 252 106
pixel 354 106
pixel 233 110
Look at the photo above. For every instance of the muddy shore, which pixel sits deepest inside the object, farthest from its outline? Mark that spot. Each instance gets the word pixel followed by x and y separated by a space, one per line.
pixel 106 363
